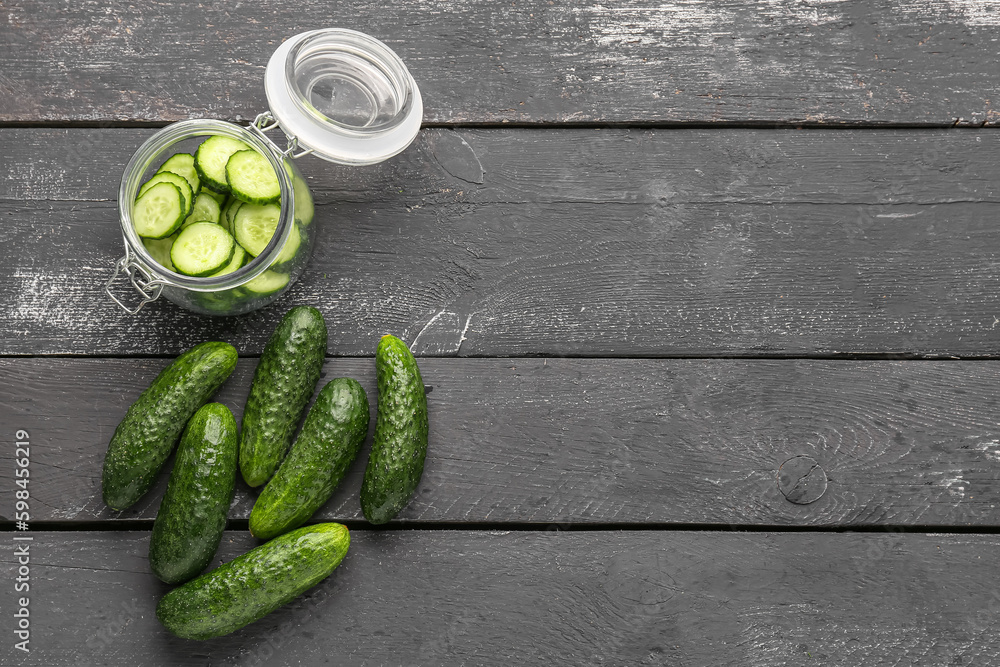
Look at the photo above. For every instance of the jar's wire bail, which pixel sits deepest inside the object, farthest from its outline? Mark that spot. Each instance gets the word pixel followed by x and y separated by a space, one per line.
pixel 146 285
pixel 265 122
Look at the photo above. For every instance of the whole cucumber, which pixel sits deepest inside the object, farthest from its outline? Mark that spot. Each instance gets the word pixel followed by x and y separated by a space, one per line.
pixel 400 443
pixel 254 584
pixel 192 515
pixel 282 385
pixel 329 441
pixel 150 429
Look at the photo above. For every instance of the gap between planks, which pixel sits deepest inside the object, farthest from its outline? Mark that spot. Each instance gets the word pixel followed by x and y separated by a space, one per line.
pixel 958 123
pixel 527 527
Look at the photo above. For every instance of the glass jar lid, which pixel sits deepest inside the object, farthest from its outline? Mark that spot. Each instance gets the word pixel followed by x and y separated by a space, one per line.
pixel 344 95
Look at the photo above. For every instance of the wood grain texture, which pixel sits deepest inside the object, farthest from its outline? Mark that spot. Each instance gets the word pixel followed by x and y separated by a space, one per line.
pixel 589 598
pixel 706 61
pixel 576 242
pixel 585 441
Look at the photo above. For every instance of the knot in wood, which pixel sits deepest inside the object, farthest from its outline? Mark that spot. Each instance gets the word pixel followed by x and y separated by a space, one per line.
pixel 801 480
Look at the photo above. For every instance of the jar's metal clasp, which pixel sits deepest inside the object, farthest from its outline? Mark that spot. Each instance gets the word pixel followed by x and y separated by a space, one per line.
pixel 265 122
pixel 146 285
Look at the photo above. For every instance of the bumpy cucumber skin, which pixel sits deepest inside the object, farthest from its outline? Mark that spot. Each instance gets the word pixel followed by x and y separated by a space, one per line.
pixel 400 443
pixel 331 437
pixel 150 429
pixel 192 515
pixel 282 385
pixel 254 584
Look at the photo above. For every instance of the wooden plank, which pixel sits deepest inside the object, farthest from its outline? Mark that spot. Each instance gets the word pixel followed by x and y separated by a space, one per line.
pixel 592 441
pixel 581 242
pixel 567 165
pixel 560 598
pixel 705 61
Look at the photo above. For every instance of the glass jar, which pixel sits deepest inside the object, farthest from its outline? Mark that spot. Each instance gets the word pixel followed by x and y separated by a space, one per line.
pixel 337 94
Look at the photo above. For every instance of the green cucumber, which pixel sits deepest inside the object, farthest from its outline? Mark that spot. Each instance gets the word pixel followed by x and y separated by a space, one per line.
pixel 400 442
pixel 254 584
pixel 192 515
pixel 266 283
pixel 216 303
pixel 282 385
pixel 254 225
pixel 150 429
pixel 170 177
pixel 159 211
pixel 159 249
pixel 211 158
pixel 330 439
pixel 291 248
pixel 228 212
pixel 202 249
pixel 205 209
pixel 239 259
pixel 304 207
pixel 251 178
pixel 182 164
pixel 219 197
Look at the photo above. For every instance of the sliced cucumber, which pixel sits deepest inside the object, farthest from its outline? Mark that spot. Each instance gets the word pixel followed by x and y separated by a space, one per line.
pixel 202 249
pixel 219 197
pixel 251 178
pixel 304 208
pixel 170 177
pixel 205 209
pixel 230 214
pixel 160 250
pixel 182 164
pixel 217 303
pixel 254 225
pixel 211 158
pixel 266 283
pixel 224 213
pixel 159 211
pixel 239 259
pixel 290 249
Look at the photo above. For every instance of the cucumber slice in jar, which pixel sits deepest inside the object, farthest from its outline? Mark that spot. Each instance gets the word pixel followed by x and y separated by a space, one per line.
pixel 182 164
pixel 159 249
pixel 159 211
pixel 254 225
pixel 304 207
pixel 170 177
pixel 266 283
pixel 202 249
pixel 290 249
pixel 239 259
pixel 230 213
pixel 219 197
pixel 210 160
pixel 217 303
pixel 251 178
pixel 205 209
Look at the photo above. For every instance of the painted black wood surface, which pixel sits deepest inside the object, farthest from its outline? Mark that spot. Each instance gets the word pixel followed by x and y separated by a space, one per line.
pixel 562 242
pixel 560 442
pixel 702 61
pixel 661 327
pixel 558 598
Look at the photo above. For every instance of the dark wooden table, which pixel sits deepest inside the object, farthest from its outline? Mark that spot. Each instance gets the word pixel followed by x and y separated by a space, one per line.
pixel 646 255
